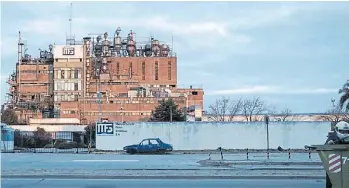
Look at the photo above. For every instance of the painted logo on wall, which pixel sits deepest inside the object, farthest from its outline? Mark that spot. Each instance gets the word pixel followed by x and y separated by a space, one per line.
pixel 105 129
pixel 110 129
pixel 68 51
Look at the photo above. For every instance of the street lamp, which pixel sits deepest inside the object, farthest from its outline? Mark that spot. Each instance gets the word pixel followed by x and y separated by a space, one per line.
pixel 266 120
pixel 333 101
pixel 99 56
pixel 171 113
pixel 122 114
pixel 333 113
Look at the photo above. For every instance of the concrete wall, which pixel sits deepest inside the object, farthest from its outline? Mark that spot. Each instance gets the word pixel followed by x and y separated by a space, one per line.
pixel 208 135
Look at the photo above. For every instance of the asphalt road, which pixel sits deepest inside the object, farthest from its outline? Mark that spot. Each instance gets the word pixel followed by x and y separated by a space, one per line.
pixel 27 161
pixel 108 183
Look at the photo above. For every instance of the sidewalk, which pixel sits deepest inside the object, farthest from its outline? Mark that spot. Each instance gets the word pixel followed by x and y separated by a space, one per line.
pixel 138 173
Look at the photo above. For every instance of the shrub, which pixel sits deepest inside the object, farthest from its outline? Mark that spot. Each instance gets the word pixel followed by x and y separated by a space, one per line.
pixel 67 145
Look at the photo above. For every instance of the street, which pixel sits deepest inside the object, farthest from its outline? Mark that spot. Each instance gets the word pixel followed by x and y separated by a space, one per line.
pixel 112 165
pixel 115 161
pixel 109 183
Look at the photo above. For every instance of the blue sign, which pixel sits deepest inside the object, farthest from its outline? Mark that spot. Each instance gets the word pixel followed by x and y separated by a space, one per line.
pixel 105 129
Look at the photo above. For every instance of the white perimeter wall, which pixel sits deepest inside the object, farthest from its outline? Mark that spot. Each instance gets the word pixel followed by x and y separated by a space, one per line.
pixel 209 135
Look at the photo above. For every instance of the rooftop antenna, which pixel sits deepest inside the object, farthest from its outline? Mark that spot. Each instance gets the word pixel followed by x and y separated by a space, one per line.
pixel 172 51
pixel 70 20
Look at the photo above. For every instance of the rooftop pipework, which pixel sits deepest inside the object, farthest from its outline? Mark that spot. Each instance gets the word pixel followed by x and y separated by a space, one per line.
pixel 129 47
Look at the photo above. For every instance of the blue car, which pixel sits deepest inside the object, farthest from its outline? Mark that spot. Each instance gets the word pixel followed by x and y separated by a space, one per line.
pixel 149 145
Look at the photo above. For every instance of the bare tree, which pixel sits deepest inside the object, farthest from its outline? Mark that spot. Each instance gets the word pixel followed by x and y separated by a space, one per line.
pixel 253 108
pixel 286 113
pixel 234 108
pixel 219 109
pixel 225 107
pixel 335 115
pixel 271 109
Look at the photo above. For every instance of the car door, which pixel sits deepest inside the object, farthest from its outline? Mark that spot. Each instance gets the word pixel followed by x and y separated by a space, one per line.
pixel 153 145
pixel 144 146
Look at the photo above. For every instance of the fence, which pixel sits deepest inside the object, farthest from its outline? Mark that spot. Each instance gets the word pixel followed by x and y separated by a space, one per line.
pixel 51 150
pixel 49 142
pixel 251 154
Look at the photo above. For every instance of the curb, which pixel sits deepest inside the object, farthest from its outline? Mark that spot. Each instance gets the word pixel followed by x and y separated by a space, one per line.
pixel 231 162
pixel 162 177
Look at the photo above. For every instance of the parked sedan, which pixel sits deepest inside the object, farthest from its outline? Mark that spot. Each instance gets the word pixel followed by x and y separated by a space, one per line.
pixel 149 145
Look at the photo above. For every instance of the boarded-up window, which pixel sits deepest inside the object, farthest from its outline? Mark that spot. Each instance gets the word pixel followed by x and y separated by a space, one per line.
pixel 169 70
pixel 143 70
pixel 156 70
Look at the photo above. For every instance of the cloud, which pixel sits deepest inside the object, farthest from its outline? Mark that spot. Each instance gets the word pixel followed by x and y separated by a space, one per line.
pixel 257 17
pixel 8 46
pixel 45 27
pixel 272 90
pixel 161 23
pixel 3 77
pixel 197 33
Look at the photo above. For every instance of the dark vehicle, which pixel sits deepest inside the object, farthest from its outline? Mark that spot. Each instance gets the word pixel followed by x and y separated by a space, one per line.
pixel 149 145
pixel 334 155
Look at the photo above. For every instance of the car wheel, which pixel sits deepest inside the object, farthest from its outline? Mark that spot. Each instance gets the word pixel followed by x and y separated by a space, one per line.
pixel 161 151
pixel 133 151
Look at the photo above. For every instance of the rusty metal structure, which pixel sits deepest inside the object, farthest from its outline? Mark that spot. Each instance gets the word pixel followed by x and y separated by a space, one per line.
pixel 31 84
pixel 101 77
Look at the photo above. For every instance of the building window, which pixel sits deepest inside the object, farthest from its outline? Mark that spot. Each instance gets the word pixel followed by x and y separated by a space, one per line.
pixel 130 70
pixel 118 68
pixel 143 70
pixel 62 74
pixel 68 74
pixel 169 70
pixel 80 60
pixel 76 87
pixel 156 70
pixel 76 74
pixel 76 97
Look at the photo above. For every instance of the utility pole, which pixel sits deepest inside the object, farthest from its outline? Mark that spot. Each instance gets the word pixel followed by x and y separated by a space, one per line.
pixel 70 20
pixel 122 111
pixel 122 114
pixel 333 105
pixel 266 120
pixel 171 113
pixel 333 124
pixel 90 135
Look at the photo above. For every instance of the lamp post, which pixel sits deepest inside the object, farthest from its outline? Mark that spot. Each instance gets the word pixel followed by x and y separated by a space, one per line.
pixel 122 114
pixel 186 106
pixel 98 55
pixel 90 136
pixel 171 113
pixel 332 115
pixel 266 120
pixel 102 50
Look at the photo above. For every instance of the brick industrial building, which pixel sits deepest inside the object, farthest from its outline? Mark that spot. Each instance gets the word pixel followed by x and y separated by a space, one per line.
pixel 116 78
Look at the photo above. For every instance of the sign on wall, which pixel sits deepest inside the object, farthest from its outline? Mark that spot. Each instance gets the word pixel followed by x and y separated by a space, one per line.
pixel 68 50
pixel 105 129
pixel 110 129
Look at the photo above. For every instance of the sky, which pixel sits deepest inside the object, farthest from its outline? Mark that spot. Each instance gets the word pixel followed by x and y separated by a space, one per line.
pixel 290 54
